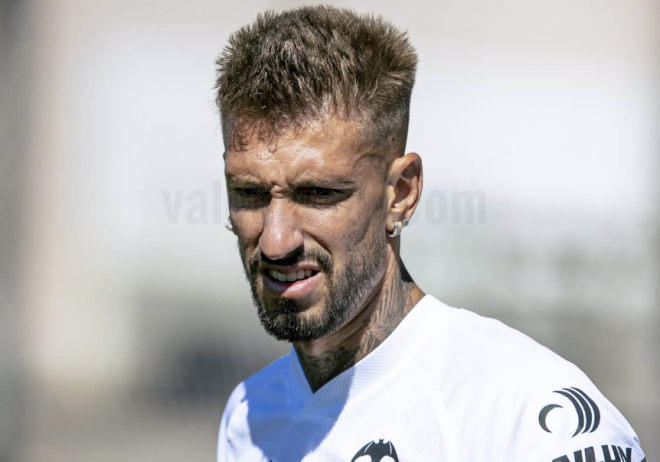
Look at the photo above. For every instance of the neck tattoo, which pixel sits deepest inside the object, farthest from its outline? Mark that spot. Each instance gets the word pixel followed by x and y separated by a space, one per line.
pixel 395 303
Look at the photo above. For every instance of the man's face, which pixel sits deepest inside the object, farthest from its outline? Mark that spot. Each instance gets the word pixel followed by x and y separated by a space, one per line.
pixel 309 210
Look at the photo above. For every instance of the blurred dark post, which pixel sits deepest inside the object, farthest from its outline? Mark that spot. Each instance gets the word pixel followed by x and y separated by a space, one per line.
pixel 14 107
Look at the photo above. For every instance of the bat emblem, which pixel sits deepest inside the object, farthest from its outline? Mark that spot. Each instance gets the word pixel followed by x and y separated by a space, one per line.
pixel 378 452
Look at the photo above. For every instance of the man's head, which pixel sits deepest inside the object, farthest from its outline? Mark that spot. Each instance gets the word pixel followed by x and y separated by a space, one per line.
pixel 290 69
pixel 314 105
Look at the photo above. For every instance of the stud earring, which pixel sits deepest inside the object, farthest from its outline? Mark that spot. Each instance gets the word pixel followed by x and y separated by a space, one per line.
pixel 397 230
pixel 228 224
pixel 406 222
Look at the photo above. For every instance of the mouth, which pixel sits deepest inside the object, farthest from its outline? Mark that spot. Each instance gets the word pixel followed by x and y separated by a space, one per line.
pixel 293 276
pixel 296 283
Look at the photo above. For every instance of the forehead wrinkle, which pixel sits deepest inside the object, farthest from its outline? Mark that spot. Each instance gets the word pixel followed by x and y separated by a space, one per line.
pixel 327 151
pixel 283 168
pixel 301 165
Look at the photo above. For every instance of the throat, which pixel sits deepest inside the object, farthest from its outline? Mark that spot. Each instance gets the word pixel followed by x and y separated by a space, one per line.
pixel 320 369
pixel 326 358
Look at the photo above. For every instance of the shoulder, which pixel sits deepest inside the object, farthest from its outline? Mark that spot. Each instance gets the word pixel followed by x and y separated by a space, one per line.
pixel 253 387
pixel 260 387
pixel 564 416
pixel 481 356
pixel 477 349
pixel 530 402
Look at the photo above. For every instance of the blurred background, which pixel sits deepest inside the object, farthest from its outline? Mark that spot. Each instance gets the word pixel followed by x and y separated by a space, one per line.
pixel 125 319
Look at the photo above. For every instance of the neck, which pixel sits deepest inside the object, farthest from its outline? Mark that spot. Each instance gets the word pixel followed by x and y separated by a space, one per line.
pixel 325 358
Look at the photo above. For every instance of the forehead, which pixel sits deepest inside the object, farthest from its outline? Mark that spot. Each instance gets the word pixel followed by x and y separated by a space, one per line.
pixel 331 149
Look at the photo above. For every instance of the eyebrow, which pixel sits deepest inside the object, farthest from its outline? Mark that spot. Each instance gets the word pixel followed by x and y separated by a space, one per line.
pixel 307 182
pixel 241 179
pixel 304 182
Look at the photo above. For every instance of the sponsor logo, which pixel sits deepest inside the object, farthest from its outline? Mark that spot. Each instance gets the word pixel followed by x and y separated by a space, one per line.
pixel 376 452
pixel 617 454
pixel 586 409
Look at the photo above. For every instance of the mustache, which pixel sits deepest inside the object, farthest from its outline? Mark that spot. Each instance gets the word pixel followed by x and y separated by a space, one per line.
pixel 311 255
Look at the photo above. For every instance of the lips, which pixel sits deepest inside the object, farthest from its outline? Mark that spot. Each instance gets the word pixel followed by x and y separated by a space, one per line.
pixel 295 283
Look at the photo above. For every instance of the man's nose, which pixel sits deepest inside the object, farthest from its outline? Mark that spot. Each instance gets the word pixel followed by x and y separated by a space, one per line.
pixel 281 234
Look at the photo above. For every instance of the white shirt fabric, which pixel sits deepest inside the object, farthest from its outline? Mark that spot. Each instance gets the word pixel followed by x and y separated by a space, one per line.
pixel 447 385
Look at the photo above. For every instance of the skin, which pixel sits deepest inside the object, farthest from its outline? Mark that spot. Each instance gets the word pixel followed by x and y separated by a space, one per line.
pixel 366 200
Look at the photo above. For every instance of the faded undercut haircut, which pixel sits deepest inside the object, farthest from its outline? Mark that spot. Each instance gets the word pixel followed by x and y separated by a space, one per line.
pixel 289 69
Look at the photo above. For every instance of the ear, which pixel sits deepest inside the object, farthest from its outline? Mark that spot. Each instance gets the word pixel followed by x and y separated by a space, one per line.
pixel 404 188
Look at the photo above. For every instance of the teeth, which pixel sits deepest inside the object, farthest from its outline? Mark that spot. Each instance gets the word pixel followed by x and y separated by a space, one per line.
pixel 292 276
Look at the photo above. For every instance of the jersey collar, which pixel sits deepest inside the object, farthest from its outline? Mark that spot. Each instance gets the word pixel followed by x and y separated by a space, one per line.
pixel 397 349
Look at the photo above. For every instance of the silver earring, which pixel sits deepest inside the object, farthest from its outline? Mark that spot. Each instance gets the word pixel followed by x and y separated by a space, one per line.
pixel 397 230
pixel 228 224
pixel 406 222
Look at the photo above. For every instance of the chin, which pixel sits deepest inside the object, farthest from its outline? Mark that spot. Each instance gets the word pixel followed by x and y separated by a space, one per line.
pixel 287 321
pixel 302 307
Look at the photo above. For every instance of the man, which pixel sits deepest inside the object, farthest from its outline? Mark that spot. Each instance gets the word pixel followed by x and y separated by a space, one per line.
pixel 314 105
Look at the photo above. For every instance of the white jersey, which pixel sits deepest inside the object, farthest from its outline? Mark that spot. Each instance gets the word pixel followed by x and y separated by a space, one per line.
pixel 446 386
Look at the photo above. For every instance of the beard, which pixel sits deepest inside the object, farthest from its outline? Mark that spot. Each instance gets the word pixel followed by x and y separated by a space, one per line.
pixel 346 289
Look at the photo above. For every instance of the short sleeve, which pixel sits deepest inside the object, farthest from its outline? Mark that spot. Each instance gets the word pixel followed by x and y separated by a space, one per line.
pixel 569 420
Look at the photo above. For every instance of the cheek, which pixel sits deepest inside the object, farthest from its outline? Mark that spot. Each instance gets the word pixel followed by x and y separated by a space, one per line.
pixel 359 215
pixel 248 225
pixel 247 243
pixel 349 224
pixel 338 230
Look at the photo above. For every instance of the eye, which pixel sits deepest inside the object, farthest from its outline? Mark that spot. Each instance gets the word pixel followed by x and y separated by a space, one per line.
pixel 320 196
pixel 247 192
pixel 321 193
pixel 247 196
